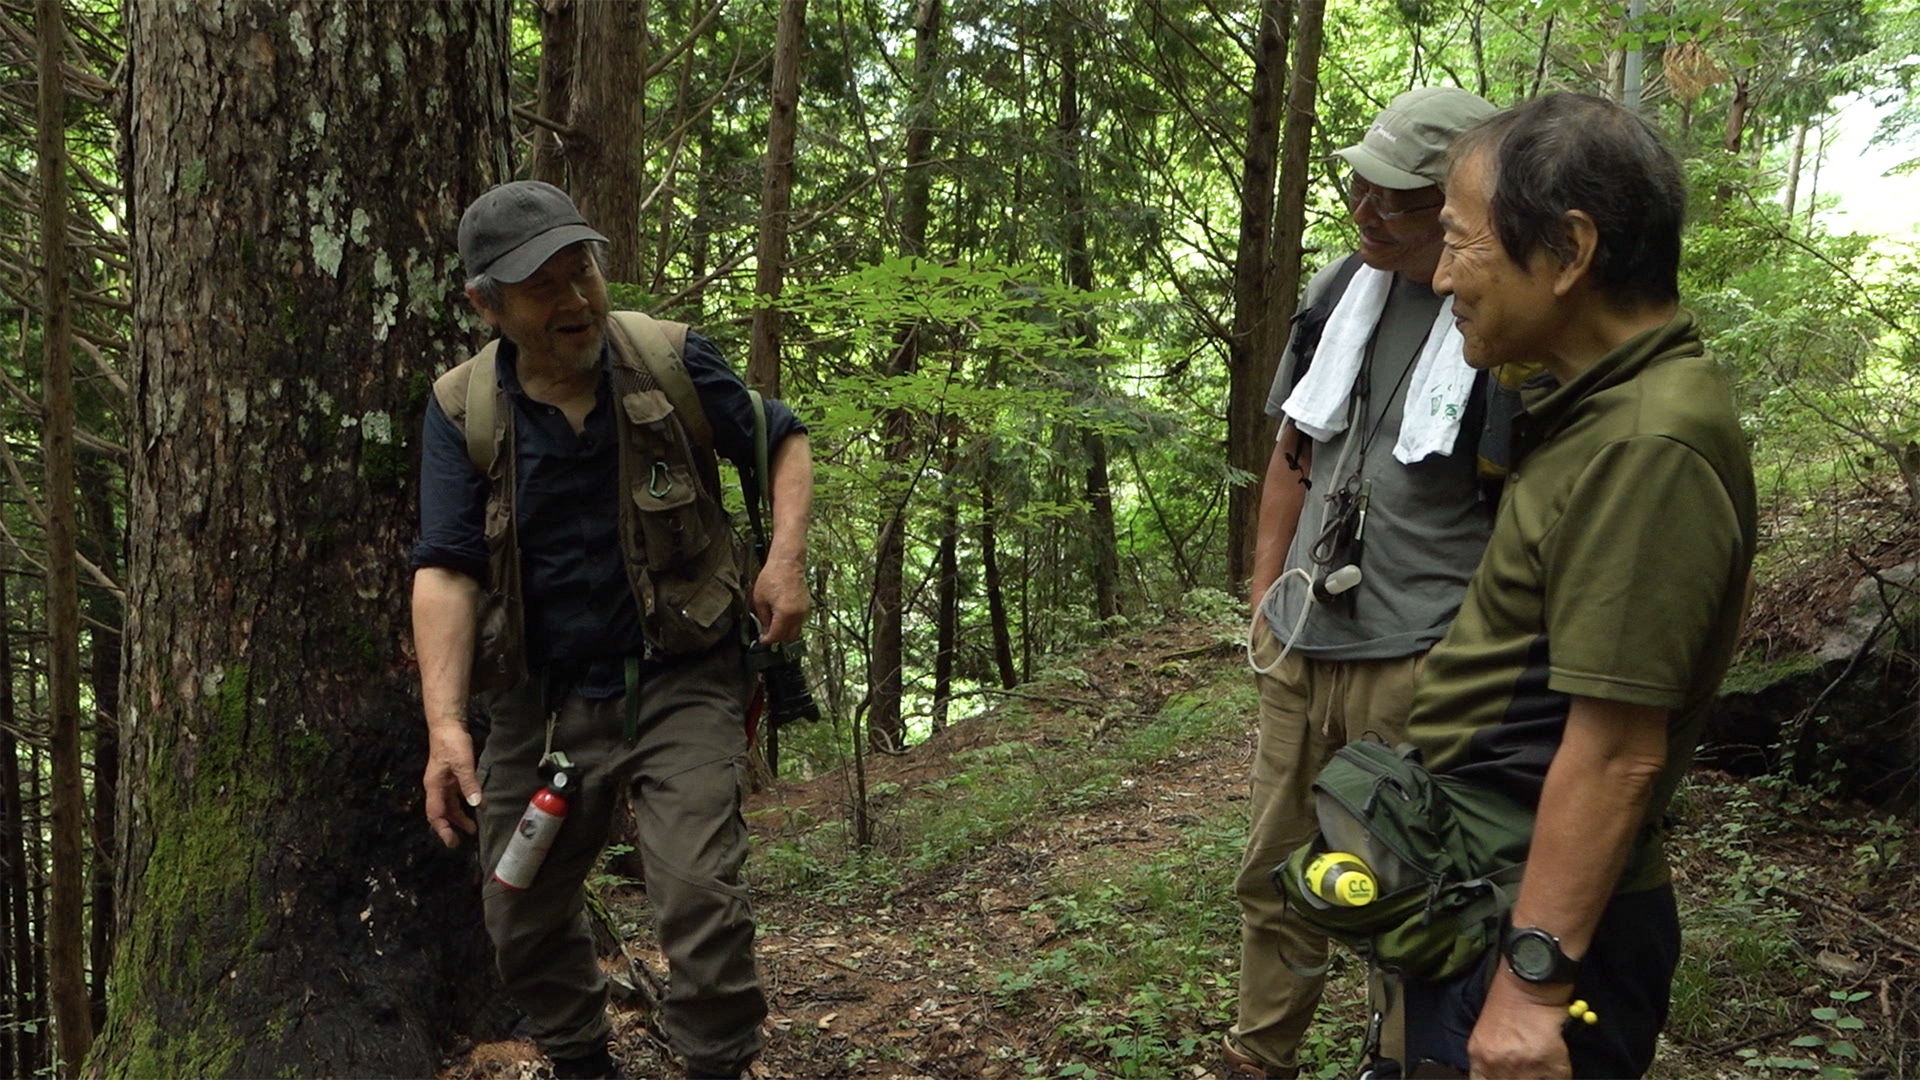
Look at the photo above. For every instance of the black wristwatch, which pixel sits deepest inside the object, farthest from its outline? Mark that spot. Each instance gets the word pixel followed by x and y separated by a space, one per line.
pixel 1534 955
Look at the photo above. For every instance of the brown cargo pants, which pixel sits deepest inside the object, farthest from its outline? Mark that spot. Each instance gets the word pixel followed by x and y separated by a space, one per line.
pixel 684 772
pixel 1308 710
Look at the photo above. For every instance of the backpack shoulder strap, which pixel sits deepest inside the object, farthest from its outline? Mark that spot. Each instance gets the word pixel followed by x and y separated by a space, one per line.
pixel 466 395
pixel 658 345
pixel 1311 319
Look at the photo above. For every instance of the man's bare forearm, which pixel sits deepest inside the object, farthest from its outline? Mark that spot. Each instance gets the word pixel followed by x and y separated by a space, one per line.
pixel 1596 792
pixel 446 606
pixel 1282 495
pixel 791 490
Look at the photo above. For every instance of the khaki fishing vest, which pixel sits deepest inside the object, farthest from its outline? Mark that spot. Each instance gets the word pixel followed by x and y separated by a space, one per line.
pixel 684 562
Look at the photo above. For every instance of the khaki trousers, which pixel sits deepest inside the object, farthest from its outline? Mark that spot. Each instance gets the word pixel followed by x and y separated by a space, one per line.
pixel 684 772
pixel 1308 710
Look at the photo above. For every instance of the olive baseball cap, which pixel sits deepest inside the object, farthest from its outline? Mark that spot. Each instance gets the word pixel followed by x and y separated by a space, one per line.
pixel 1407 145
pixel 513 230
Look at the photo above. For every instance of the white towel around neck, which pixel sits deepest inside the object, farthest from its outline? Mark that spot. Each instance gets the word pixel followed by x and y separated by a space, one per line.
pixel 1437 389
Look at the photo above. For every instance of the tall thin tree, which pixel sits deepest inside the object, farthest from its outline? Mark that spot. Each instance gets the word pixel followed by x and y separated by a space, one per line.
pixel 1077 262
pixel 776 197
pixel 1249 367
pixel 1296 159
pixel 72 1014
pixel 885 725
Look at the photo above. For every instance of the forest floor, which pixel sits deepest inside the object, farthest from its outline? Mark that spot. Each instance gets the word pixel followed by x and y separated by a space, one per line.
pixel 1047 892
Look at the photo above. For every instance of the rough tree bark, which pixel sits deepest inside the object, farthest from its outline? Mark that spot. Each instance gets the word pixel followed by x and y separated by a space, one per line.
pixel 606 156
pixel 559 47
pixel 776 197
pixel 66 937
pixel 1249 367
pixel 886 728
pixel 299 171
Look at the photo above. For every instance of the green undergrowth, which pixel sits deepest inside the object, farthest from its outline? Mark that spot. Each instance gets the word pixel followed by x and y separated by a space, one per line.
pixel 1139 973
pixel 1144 968
pixel 1748 994
pixel 1038 769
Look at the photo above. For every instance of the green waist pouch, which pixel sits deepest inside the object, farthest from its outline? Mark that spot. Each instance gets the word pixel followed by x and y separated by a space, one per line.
pixel 1413 870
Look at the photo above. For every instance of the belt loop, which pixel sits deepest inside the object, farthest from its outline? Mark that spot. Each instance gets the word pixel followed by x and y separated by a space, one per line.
pixel 630 706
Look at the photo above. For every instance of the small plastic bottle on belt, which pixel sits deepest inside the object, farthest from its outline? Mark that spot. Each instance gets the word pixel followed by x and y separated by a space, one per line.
pixel 534 835
pixel 1340 878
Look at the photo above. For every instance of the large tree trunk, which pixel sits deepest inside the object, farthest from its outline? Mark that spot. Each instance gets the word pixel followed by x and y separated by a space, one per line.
pixel 1249 368
pixel 72 1015
pixel 607 154
pixel 284 911
pixel 776 197
pixel 886 727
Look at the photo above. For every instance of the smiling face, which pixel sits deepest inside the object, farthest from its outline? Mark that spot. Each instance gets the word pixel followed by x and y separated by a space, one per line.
pixel 1399 230
pixel 558 315
pixel 1505 311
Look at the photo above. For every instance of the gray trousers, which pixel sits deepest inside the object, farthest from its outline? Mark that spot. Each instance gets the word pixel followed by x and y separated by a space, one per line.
pixel 684 773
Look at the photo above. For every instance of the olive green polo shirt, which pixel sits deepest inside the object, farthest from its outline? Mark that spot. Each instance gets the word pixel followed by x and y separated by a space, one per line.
pixel 1617 569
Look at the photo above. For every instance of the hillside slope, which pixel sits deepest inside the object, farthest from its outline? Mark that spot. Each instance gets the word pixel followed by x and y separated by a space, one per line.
pixel 1048 893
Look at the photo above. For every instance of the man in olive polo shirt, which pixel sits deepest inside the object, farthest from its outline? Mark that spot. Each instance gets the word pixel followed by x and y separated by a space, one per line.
pixel 1578 674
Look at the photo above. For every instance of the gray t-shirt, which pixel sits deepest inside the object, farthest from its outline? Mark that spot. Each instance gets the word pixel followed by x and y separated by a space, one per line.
pixel 1426 522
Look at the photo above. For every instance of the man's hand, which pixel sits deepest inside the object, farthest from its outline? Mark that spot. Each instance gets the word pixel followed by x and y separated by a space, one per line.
pixel 1518 1036
pixel 450 783
pixel 780 601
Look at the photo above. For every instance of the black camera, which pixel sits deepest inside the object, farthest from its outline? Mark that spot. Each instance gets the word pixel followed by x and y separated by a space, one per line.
pixel 788 698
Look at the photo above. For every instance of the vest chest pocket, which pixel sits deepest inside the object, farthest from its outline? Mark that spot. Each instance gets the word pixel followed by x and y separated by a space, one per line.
pixel 667 497
pixel 665 490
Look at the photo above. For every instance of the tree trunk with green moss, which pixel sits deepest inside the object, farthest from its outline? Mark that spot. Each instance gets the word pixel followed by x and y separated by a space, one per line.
pixel 299 172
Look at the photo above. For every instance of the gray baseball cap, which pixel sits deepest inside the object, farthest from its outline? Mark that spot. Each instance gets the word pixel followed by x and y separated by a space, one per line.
pixel 513 230
pixel 1407 145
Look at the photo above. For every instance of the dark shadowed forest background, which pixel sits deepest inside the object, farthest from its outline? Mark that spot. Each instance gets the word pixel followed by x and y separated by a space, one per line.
pixel 1025 267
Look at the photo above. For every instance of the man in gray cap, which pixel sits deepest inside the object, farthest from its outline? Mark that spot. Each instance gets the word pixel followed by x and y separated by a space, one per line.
pixel 577 573
pixel 1372 518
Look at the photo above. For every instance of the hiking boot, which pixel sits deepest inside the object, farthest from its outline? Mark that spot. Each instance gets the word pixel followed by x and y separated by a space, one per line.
pixel 1236 1065
pixel 598 1065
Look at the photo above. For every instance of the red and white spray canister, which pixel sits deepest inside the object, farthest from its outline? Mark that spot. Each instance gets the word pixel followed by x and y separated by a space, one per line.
pixel 546 811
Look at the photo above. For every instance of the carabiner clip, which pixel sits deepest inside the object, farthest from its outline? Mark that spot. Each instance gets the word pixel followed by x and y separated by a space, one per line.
pixel 659 481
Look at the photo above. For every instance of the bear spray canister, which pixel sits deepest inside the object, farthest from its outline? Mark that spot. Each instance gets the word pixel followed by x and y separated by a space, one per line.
pixel 546 812
pixel 1342 879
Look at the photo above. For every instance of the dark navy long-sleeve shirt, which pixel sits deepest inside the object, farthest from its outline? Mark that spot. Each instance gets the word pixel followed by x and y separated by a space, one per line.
pixel 580 612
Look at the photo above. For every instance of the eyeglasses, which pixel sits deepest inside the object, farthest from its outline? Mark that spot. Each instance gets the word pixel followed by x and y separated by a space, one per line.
pixel 1384 200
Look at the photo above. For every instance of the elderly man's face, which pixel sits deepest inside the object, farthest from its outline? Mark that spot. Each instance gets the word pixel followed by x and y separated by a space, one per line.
pixel 1505 311
pixel 559 313
pixel 1399 230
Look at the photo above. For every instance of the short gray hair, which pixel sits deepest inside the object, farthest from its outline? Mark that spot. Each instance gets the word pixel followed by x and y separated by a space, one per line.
pixel 493 294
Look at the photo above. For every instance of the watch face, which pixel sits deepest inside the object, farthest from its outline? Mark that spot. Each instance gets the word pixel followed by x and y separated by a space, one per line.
pixel 1532 956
